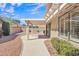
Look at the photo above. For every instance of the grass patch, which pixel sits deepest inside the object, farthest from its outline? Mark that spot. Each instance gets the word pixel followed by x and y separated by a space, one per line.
pixel 64 48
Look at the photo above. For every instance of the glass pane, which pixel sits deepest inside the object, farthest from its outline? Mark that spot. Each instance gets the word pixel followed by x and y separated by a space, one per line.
pixel 75 29
pixel 67 27
pixel 62 26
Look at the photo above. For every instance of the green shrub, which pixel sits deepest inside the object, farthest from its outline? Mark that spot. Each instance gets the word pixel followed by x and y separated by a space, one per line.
pixel 64 48
pixel 29 30
pixel 6 28
pixel 1 33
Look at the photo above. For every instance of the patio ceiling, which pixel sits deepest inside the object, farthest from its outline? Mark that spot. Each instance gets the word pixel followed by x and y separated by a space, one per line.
pixel 35 22
pixel 67 8
pixel 51 8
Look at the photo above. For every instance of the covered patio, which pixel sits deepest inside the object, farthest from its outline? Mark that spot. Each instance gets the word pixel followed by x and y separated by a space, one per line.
pixel 36 28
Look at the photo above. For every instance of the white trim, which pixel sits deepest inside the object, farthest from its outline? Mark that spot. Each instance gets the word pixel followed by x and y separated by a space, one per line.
pixel 52 15
pixel 62 5
pixel 56 11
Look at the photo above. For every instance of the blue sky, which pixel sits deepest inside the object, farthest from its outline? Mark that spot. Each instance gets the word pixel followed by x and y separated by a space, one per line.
pixel 23 10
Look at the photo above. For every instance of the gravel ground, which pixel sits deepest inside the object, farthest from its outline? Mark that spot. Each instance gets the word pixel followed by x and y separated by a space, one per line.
pixel 12 47
pixel 7 38
pixel 50 48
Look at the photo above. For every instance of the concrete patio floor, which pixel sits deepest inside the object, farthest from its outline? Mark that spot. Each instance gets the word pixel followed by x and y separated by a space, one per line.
pixel 35 47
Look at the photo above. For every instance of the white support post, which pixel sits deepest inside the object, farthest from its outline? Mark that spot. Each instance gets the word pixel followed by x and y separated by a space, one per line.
pixel 70 24
pixel 58 20
pixel 64 26
pixel 27 31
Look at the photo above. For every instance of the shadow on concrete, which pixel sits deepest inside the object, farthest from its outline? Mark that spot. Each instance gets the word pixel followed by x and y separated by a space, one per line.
pixel 39 37
pixel 42 37
pixel 7 38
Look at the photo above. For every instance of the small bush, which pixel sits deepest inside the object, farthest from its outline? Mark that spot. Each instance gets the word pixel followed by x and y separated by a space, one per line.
pixel 64 48
pixel 6 28
pixel 1 33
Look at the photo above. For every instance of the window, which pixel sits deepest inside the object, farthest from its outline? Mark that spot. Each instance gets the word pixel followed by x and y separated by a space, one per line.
pixel 67 27
pixel 62 26
pixel 75 29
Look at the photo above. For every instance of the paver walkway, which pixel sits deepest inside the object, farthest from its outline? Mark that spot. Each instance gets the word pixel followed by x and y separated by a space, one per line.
pixel 35 47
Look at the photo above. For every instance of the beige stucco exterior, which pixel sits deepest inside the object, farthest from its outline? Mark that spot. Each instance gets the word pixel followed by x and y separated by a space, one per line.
pixel 61 20
pixel 53 20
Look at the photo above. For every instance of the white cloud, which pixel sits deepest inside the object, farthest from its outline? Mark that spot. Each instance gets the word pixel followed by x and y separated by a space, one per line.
pixel 10 10
pixel 36 9
pixel 2 6
pixel 34 12
pixel 13 4
pixel 19 4
pixel 32 4
pixel 16 4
